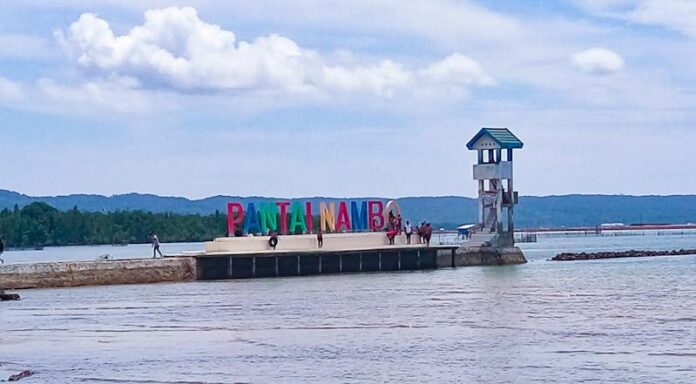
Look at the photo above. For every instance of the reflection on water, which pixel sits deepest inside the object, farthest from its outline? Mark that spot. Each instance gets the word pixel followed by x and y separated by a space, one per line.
pixel 623 320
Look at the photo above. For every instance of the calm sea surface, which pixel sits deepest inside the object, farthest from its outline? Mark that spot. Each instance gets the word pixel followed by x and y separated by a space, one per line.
pixel 610 321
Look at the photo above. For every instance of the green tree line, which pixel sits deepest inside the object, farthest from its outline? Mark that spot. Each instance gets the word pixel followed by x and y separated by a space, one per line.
pixel 39 224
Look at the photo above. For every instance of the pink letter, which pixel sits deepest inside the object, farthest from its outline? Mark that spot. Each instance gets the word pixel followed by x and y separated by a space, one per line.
pixel 343 219
pixel 375 217
pixel 283 205
pixel 310 218
pixel 231 220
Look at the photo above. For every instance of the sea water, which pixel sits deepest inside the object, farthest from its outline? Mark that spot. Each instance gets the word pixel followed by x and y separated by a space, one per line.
pixel 604 321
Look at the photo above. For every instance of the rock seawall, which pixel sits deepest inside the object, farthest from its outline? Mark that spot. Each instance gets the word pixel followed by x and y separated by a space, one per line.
pixel 570 256
pixel 106 272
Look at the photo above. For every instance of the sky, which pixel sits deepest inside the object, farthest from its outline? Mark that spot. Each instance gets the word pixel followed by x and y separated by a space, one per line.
pixel 345 98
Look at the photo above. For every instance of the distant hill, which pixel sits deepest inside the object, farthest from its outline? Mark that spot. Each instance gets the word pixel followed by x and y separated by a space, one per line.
pixel 447 211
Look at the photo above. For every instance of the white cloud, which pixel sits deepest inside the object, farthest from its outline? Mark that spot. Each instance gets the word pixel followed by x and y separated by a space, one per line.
pixel 175 49
pixel 457 69
pixel 677 15
pixel 598 61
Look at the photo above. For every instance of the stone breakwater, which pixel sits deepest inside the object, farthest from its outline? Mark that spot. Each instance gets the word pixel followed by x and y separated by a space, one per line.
pixel 570 256
pixel 106 272
pixel 481 256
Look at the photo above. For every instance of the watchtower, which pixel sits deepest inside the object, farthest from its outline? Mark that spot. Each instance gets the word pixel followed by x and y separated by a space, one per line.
pixel 494 174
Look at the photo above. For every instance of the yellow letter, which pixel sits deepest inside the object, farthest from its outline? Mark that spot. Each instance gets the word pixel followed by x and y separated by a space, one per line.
pixel 327 216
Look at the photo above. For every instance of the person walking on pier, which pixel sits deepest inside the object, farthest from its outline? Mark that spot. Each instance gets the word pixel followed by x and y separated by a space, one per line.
pixel 408 229
pixel 2 249
pixel 320 238
pixel 155 245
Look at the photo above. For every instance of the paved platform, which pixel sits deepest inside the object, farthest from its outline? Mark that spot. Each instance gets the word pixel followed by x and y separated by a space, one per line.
pixel 306 243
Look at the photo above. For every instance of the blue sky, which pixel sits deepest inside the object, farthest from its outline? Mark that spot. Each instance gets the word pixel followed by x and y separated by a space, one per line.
pixel 344 98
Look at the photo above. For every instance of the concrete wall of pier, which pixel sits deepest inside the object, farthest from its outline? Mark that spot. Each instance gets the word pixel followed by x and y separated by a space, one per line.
pixel 254 265
pixel 106 272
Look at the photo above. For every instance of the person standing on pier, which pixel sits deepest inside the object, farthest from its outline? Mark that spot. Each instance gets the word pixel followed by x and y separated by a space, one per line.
pixel 155 245
pixel 320 238
pixel 409 231
pixel 421 232
pixel 2 249
pixel 391 234
pixel 273 240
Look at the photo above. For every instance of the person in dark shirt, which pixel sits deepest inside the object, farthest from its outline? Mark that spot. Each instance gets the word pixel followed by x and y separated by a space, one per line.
pixel 2 249
pixel 273 240
pixel 320 239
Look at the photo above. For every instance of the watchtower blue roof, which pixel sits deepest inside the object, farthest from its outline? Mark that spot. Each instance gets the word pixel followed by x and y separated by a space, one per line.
pixel 502 136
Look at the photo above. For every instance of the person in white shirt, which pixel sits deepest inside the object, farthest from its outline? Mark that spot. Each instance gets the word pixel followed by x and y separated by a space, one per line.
pixel 409 231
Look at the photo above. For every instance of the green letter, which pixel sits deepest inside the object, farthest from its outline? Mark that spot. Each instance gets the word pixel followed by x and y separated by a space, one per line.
pixel 297 218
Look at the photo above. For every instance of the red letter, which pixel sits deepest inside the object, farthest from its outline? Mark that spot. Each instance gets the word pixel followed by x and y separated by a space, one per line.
pixel 375 217
pixel 310 218
pixel 283 205
pixel 343 219
pixel 231 220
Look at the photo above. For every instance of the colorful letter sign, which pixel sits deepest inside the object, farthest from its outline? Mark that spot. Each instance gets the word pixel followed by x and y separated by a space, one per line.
pixel 273 217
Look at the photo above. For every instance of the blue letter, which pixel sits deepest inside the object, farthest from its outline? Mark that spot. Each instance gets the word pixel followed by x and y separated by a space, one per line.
pixel 358 218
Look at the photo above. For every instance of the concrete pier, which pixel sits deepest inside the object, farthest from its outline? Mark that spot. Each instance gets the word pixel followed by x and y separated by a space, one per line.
pixel 299 255
pixel 252 257
pixel 107 272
